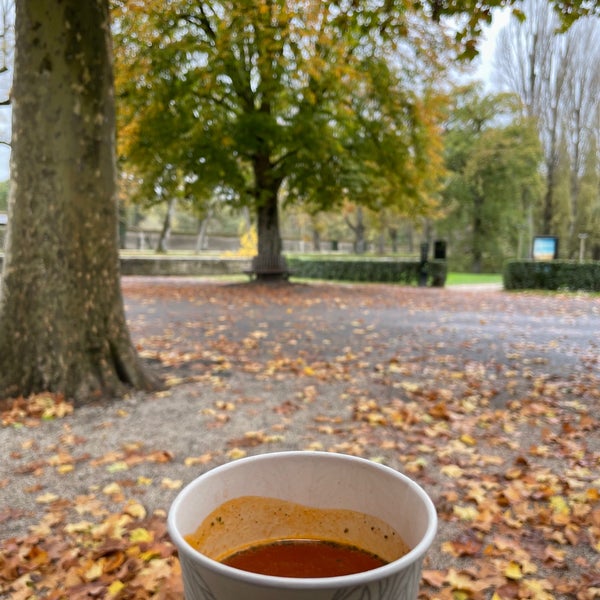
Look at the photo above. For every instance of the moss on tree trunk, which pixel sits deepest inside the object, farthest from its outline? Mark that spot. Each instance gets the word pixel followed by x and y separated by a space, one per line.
pixel 62 321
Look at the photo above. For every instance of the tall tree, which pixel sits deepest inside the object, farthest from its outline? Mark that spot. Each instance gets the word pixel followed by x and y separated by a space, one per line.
pixel 557 76
pixel 255 96
pixel 533 65
pixel 62 321
pixel 581 110
pixel 493 156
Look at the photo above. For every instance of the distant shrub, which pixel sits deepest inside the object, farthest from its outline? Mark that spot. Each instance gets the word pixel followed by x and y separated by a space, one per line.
pixel 552 275
pixel 375 270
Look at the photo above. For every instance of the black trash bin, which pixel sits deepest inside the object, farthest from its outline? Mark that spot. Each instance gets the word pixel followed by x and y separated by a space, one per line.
pixel 423 264
pixel 439 250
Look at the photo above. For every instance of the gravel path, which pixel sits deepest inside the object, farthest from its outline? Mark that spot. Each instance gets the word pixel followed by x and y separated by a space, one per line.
pixel 458 388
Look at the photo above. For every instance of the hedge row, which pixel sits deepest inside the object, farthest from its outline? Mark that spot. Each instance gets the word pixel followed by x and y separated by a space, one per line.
pixel 369 270
pixel 552 275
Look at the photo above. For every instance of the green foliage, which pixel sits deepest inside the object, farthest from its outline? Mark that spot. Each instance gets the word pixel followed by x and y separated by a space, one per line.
pixel 367 270
pixel 246 99
pixel 493 157
pixel 552 275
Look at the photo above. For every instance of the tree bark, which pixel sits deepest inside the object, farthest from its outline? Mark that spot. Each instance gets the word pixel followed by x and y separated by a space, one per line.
pixel 269 262
pixel 359 230
pixel 269 238
pixel 478 233
pixel 393 233
pixel 316 237
pixel 162 247
pixel 201 238
pixel 62 320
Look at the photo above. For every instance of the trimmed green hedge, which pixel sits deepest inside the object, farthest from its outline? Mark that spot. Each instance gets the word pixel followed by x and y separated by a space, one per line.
pixel 375 270
pixel 552 275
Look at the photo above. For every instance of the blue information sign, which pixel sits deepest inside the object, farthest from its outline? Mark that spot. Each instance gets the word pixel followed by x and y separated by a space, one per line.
pixel 545 247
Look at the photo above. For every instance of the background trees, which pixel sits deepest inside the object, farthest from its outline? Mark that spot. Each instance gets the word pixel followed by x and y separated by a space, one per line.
pixel 271 100
pixel 493 156
pixel 557 77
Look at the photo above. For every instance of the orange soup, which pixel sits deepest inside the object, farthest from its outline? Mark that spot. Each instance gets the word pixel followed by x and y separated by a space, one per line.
pixel 255 530
pixel 304 558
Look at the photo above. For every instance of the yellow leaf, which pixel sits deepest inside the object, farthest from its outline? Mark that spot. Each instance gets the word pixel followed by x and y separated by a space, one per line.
pixel 135 509
pixel 459 581
pixel 144 480
pixel 540 588
pixel 466 513
pixel 94 572
pixel 79 527
pixel 236 453
pixel 559 505
pixel 140 535
pixel 111 489
pixel 190 461
pixel 410 387
pixel 46 498
pixel 120 465
pixel 513 571
pixel 376 419
pixel 315 446
pixel 115 587
pixel 222 405
pixel 149 555
pixel 171 484
pixel 453 471
pixel 467 439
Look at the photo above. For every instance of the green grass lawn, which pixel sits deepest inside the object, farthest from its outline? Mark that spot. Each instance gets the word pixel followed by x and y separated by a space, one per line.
pixel 462 278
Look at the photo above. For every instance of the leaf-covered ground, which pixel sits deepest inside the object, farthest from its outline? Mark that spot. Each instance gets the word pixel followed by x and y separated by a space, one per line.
pixel 490 400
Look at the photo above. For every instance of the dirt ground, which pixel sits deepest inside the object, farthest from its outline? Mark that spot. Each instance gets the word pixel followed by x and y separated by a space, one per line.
pixel 488 399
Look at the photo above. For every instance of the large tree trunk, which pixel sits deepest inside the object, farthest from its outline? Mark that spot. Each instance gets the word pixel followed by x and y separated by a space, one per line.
pixel 269 264
pixel 62 321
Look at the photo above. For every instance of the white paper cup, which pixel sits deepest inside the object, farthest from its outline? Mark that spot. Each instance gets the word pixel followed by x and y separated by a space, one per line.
pixel 320 479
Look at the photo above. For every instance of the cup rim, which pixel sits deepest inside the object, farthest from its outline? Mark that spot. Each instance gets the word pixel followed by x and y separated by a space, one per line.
pixel 361 578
